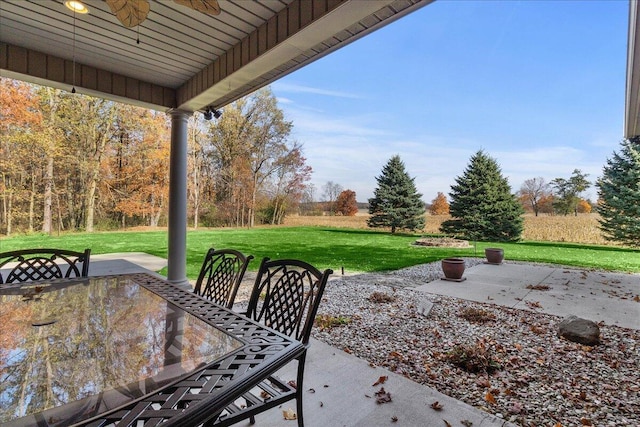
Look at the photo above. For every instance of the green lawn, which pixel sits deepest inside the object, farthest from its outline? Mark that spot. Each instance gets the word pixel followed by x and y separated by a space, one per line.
pixel 355 250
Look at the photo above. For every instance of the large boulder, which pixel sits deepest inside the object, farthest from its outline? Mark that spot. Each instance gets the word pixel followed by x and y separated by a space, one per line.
pixel 579 330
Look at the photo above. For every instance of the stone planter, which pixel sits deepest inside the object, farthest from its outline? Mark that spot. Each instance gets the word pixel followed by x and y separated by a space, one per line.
pixel 494 255
pixel 453 269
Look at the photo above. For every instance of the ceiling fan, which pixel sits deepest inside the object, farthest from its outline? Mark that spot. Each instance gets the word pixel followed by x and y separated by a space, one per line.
pixel 132 12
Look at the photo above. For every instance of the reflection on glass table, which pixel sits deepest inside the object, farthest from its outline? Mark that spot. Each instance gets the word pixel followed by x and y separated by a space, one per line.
pixel 79 350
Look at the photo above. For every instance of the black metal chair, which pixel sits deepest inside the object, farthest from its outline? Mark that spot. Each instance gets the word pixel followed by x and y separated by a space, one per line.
pixel 285 297
pixel 32 265
pixel 221 274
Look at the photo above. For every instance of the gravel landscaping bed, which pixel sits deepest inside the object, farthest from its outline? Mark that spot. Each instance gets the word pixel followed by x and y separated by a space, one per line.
pixel 526 373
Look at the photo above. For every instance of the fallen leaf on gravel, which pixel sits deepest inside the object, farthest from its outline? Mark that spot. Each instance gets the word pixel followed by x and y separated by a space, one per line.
pixel 539 287
pixel 518 346
pixel 636 298
pixel 558 425
pixel 516 408
pixel 436 406
pixel 483 382
pixel 537 330
pixel 585 422
pixel 395 355
pixel 490 398
pixel 289 414
pixel 382 396
pixel 381 380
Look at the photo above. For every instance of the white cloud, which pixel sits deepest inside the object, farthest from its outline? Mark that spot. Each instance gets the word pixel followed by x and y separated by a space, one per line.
pixel 354 161
pixel 280 86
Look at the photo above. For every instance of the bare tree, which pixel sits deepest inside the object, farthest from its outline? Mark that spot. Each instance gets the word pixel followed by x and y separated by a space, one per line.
pixel 534 190
pixel 330 193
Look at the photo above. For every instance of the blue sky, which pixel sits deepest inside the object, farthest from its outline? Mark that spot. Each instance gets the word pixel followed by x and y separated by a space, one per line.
pixel 538 85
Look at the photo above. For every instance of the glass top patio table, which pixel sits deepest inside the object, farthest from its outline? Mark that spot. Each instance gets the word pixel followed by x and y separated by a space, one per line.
pixel 101 350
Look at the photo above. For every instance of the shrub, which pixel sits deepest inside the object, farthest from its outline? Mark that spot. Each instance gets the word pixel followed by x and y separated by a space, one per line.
pixel 325 321
pixel 381 297
pixel 476 315
pixel 474 358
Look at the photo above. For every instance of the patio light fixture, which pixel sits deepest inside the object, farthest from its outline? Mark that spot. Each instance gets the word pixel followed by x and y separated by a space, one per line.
pixel 210 113
pixel 76 6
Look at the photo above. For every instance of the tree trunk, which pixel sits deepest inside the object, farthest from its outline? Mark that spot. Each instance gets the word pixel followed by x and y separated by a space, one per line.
pixel 71 213
pixel 9 214
pixel 254 191
pixel 48 196
pixel 196 198
pixel 274 212
pixel 59 214
pixel 90 202
pixel 4 201
pixel 94 171
pixel 32 202
pixel 47 216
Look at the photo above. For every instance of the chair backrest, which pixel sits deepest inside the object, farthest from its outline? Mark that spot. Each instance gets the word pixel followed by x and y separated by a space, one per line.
pixel 221 274
pixel 286 296
pixel 31 265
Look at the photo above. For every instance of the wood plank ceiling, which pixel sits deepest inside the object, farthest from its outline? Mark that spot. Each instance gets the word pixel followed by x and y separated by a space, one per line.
pixel 184 59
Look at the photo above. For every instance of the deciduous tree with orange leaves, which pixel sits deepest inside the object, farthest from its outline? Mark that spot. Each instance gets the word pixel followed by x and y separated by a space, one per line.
pixel 346 203
pixel 439 205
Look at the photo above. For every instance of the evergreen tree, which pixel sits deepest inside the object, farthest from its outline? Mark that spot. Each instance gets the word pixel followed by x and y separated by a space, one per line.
pixel 619 193
pixel 482 205
pixel 396 202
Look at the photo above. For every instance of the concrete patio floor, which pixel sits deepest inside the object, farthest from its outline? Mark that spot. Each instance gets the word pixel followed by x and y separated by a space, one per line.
pixel 593 295
pixel 339 387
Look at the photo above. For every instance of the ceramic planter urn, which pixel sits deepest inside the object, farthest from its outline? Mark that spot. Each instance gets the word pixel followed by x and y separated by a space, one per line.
pixel 453 269
pixel 494 255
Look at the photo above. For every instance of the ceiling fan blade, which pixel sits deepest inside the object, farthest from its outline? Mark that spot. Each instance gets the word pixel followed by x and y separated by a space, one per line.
pixel 129 12
pixel 210 7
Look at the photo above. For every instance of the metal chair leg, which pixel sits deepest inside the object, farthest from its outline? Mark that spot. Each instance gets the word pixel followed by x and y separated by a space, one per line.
pixel 299 389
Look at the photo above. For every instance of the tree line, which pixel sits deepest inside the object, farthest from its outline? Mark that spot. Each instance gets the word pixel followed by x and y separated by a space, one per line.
pixel 483 206
pixel 74 162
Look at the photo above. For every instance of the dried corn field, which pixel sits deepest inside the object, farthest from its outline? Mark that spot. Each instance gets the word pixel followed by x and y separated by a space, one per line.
pixel 575 229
